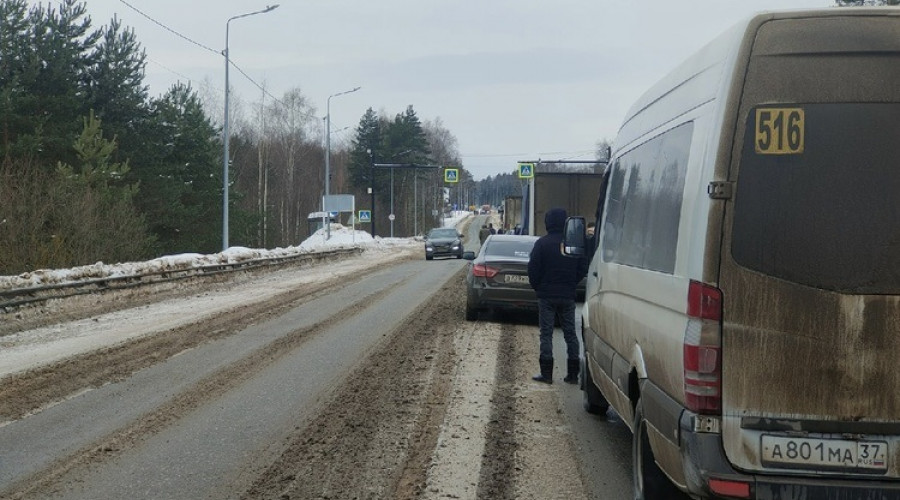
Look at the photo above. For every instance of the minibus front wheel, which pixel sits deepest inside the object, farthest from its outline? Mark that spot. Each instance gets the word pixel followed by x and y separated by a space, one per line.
pixel 592 399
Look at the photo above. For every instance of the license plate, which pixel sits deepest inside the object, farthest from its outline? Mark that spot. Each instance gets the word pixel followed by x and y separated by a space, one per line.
pixel 515 278
pixel 832 454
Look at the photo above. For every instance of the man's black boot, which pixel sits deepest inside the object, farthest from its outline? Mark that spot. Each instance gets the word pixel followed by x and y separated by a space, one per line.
pixel 546 375
pixel 573 366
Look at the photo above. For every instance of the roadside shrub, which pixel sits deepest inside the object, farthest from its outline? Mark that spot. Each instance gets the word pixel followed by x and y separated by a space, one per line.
pixel 55 219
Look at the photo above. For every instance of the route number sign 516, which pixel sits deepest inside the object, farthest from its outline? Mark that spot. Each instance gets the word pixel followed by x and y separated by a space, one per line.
pixel 780 131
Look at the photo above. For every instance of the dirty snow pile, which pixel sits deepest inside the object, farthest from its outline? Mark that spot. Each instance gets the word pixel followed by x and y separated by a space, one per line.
pixel 341 238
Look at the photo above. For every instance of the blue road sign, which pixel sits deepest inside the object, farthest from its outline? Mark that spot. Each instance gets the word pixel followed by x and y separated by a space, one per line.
pixel 451 175
pixel 526 170
pixel 365 216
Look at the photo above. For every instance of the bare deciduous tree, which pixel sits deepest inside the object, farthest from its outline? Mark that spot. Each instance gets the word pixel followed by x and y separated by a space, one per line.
pixel 294 150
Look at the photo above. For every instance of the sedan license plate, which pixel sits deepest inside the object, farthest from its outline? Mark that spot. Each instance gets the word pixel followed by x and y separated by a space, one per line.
pixel 832 454
pixel 515 278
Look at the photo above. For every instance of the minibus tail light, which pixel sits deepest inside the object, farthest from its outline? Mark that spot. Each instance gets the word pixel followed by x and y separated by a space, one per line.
pixel 702 350
pixel 704 301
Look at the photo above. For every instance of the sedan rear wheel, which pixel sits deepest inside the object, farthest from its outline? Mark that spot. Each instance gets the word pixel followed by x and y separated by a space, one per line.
pixel 471 311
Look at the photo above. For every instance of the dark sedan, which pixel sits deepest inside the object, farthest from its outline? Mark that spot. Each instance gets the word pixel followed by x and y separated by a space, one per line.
pixel 443 241
pixel 497 278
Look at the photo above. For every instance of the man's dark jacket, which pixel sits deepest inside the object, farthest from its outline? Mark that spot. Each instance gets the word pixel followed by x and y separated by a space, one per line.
pixel 551 274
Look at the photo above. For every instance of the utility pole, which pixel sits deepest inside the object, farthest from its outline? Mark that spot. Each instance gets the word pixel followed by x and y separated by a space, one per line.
pixel 372 187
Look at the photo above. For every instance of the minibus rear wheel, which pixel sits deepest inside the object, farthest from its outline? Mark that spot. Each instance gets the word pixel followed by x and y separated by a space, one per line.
pixel 650 483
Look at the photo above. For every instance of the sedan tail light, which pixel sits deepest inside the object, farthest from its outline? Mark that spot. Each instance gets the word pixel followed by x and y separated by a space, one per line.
pixel 483 271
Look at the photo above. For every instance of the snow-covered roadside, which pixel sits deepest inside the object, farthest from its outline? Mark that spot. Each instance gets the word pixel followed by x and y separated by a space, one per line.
pixel 32 348
pixel 341 237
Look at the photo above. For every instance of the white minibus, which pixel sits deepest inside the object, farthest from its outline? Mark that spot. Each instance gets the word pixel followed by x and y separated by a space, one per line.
pixel 742 311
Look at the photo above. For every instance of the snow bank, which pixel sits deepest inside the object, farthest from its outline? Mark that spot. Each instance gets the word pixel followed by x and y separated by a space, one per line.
pixel 341 238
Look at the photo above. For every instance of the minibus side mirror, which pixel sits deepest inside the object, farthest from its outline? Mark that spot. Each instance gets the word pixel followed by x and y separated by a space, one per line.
pixel 574 237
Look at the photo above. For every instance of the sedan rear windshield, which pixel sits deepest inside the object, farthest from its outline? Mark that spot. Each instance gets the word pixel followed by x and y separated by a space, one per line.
pixel 818 196
pixel 509 248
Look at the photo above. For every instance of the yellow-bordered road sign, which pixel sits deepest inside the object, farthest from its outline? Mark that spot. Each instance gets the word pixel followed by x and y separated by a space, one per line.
pixel 526 170
pixel 451 175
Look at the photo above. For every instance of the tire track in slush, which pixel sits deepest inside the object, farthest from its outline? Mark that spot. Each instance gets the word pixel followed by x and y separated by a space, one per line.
pixel 204 391
pixel 497 477
pixel 28 392
pixel 375 437
pixel 460 451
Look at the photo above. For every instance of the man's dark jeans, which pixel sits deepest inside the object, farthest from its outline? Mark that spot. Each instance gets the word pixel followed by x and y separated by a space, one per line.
pixel 548 310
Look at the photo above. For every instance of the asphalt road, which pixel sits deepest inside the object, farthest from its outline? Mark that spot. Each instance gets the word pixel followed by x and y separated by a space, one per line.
pixel 223 426
pixel 202 423
pixel 603 442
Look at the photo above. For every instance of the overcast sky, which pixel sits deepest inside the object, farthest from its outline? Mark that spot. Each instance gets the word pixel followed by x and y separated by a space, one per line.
pixel 511 79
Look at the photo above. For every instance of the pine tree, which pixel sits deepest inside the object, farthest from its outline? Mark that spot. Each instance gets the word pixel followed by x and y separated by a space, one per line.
pixel 368 148
pixel 15 48
pixel 181 191
pixel 103 224
pixel 115 88
pixel 48 81
pixel 406 139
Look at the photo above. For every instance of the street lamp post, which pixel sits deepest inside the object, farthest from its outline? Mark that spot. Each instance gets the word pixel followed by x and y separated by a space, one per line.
pixel 415 202
pixel 225 152
pixel 372 188
pixel 328 137
pixel 392 217
pixel 328 156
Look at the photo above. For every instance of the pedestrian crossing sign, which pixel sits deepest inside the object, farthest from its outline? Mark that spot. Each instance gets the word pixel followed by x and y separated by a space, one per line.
pixel 526 170
pixel 365 216
pixel 451 175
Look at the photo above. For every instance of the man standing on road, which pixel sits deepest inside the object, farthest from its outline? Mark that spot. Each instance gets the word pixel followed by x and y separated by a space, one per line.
pixel 483 233
pixel 554 278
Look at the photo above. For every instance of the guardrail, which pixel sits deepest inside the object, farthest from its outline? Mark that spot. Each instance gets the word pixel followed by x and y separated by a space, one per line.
pixel 16 298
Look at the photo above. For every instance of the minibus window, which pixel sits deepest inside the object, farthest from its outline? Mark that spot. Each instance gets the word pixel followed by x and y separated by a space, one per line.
pixel 818 204
pixel 646 189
